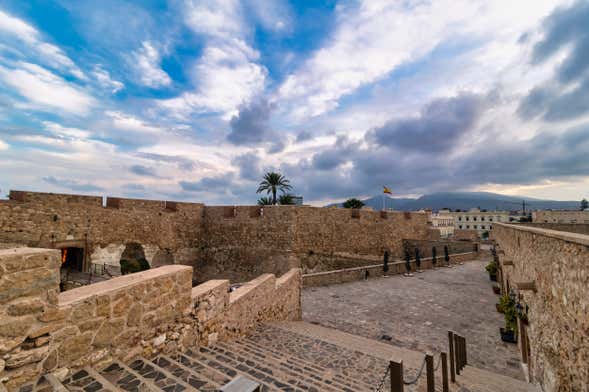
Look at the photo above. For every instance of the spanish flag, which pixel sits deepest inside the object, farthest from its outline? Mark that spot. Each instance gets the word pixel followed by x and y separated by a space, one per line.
pixel 387 190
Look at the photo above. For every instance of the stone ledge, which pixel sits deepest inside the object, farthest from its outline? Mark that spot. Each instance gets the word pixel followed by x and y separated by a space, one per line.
pixel 81 293
pixel 561 235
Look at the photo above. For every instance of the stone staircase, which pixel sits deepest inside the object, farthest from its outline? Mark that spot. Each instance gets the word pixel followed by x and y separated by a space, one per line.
pixel 287 356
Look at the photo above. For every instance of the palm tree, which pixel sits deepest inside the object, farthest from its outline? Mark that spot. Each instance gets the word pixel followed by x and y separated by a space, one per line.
pixel 286 200
pixel 353 203
pixel 272 183
pixel 264 201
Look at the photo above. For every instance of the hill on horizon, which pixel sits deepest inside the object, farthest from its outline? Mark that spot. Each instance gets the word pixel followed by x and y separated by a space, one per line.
pixel 467 200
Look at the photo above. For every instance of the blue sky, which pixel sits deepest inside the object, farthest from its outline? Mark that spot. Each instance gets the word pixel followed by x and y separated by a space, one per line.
pixel 194 100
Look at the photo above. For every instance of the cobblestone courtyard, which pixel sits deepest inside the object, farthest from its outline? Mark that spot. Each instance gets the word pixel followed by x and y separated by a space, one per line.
pixel 417 312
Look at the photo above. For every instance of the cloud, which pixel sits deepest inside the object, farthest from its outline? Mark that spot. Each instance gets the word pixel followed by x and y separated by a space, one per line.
pixel 249 166
pixel 48 53
pixel 3 145
pixel 304 136
pixel 182 162
pixel 341 152
pixel 67 132
pixel 251 125
pixel 227 74
pixel 221 183
pixel 438 127
pixel 146 61
pixel 46 89
pixel 566 95
pixel 74 185
pixel 105 81
pixel 144 171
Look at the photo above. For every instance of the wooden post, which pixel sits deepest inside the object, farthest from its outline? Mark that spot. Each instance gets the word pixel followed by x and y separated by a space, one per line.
pixel 464 348
pixel 457 353
pixel 429 369
pixel 396 370
pixel 444 359
pixel 451 345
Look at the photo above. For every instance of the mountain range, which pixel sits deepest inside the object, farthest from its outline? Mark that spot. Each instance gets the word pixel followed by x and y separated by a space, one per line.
pixel 466 201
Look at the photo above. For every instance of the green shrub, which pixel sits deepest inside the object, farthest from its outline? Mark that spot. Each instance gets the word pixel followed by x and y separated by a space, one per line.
pixel 491 268
pixel 509 311
pixel 132 266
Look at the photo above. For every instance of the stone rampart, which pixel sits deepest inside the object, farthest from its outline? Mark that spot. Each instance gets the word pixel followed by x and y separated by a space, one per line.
pixel 580 228
pixel 42 330
pixel 557 263
pixel 345 275
pixel 546 216
pixel 234 242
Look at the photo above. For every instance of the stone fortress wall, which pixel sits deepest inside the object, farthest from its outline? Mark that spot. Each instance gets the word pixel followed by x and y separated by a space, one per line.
pixel 145 313
pixel 558 329
pixel 237 243
pixel 560 216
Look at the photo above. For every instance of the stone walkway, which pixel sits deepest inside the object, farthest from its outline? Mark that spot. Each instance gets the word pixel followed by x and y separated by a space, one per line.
pixel 417 312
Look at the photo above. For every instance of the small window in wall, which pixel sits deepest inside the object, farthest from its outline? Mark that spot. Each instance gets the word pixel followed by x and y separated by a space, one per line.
pixel 483 227
pixel 474 219
pixel 460 227
pixel 474 227
pixel 459 218
pixel 468 226
pixel 483 218
pixel 490 219
pixel 467 218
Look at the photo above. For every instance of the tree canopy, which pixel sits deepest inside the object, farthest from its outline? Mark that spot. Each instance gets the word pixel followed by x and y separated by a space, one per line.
pixel 353 203
pixel 272 183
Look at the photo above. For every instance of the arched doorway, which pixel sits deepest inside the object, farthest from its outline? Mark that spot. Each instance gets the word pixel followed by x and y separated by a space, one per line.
pixel 133 259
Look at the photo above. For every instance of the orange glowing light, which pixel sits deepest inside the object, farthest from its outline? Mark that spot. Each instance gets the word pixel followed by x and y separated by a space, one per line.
pixel 63 256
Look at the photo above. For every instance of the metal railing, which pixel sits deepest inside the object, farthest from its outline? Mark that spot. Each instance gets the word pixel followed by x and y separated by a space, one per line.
pixel 457 346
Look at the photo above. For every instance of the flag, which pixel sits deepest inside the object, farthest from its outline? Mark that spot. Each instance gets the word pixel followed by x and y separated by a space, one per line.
pixel 387 190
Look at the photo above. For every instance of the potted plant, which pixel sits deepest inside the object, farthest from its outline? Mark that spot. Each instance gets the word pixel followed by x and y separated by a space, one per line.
pixel 492 270
pixel 496 289
pixel 508 334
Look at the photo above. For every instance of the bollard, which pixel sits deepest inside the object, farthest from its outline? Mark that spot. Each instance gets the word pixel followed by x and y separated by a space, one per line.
pixel 444 359
pixel 451 346
pixel 396 370
pixel 457 353
pixel 429 369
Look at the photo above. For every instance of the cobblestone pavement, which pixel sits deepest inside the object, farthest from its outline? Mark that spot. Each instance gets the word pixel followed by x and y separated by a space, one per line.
pixel 416 313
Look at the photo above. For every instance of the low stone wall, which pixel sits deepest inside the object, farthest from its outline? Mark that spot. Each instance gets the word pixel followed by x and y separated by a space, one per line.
pixel 580 228
pixel 359 273
pixel 42 330
pixel 425 247
pixel 557 263
pixel 466 235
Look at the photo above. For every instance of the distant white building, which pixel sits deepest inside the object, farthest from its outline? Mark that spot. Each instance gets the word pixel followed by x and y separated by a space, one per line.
pixel 444 222
pixel 475 219
pixel 560 216
pixel 297 200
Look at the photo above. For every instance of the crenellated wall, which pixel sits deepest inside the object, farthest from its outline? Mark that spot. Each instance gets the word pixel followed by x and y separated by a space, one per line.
pixel 557 263
pixel 42 330
pixel 237 243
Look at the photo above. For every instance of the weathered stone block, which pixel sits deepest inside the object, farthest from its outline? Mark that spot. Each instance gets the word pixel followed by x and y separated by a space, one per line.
pixel 54 313
pixel 16 326
pixel 26 357
pixel 106 333
pixel 24 306
pixel 74 347
pixel 134 316
pixel 27 283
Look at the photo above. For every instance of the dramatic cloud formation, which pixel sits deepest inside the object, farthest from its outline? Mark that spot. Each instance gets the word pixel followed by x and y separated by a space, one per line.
pixel 195 100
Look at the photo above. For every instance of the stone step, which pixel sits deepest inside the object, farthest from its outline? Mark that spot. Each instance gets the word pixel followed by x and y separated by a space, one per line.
pixel 257 371
pixel 219 364
pixel 309 369
pixel 160 377
pixel 126 379
pixel 202 369
pixel 189 376
pixel 277 367
pixel 87 379
pixel 473 379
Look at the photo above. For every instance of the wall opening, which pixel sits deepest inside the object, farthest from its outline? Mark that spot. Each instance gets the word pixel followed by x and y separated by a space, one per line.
pixel 133 259
pixel 72 259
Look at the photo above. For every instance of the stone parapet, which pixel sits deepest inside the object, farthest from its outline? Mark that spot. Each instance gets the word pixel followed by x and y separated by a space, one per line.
pixel 42 330
pixel 556 264
pixel 376 270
